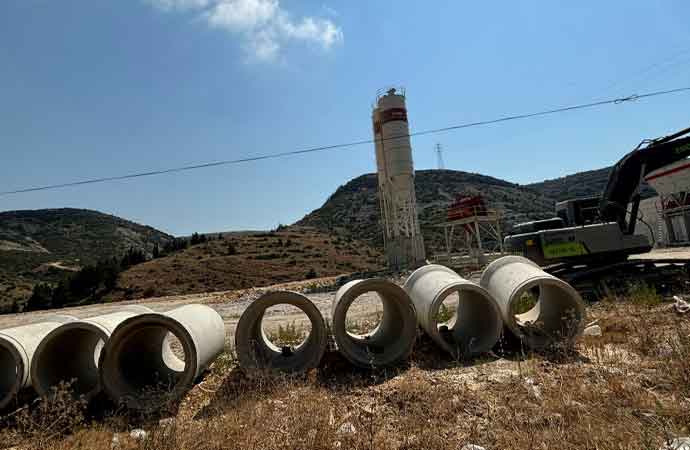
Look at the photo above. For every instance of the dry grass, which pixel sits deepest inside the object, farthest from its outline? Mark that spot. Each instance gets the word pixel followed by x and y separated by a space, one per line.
pixel 290 335
pixel 627 389
pixel 261 259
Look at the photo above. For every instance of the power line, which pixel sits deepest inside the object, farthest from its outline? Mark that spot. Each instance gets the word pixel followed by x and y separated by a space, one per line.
pixel 614 101
pixel 645 71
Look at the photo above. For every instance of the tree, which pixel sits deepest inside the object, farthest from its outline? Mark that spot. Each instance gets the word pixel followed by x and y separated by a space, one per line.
pixel 232 250
pixel 156 253
pixel 41 298
pixel 198 239
pixel 133 257
pixel 175 245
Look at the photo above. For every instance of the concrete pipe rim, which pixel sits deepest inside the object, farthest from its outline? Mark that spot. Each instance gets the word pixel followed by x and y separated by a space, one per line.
pixel 251 349
pixel 496 264
pixel 458 287
pixel 117 389
pixel 539 341
pixel 10 388
pixel 351 345
pixel 135 309
pixel 43 389
pixel 419 273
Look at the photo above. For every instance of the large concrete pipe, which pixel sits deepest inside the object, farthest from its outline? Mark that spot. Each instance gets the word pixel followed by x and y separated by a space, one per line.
pixel 475 326
pixel 17 347
pixel 70 353
pixel 138 365
pixel 558 314
pixel 392 340
pixel 256 351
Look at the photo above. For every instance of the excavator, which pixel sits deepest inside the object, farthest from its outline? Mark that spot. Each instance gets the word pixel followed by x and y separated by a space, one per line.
pixel 591 239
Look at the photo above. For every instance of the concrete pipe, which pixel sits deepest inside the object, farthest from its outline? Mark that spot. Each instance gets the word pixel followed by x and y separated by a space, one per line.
pixel 516 282
pixel 392 340
pixel 474 327
pixel 139 367
pixel 70 353
pixel 256 351
pixel 17 347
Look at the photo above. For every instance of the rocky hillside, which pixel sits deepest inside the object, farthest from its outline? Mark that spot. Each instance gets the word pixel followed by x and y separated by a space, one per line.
pixel 42 245
pixel 353 209
pixel 247 260
pixel 581 184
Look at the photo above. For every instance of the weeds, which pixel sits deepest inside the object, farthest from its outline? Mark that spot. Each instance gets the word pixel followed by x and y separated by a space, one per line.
pixel 445 313
pixel 54 416
pixel 627 389
pixel 364 326
pixel 642 294
pixel 290 335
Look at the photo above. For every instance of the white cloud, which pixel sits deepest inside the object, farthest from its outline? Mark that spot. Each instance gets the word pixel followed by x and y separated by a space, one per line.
pixel 263 25
pixel 243 15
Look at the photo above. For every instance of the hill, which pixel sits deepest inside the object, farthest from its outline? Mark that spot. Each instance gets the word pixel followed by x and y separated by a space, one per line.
pixel 243 261
pixel 354 210
pixel 581 184
pixel 42 245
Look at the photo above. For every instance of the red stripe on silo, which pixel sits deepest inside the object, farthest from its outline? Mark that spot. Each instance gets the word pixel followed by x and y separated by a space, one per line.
pixel 668 172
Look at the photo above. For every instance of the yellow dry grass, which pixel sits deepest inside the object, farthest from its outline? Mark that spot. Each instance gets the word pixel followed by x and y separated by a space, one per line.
pixel 627 389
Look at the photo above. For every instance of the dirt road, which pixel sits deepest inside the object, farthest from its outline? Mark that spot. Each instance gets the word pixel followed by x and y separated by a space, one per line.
pixel 230 305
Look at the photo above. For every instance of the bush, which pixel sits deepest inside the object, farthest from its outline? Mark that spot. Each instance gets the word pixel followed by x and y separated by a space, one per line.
pixel 41 298
pixel 198 239
pixel 311 274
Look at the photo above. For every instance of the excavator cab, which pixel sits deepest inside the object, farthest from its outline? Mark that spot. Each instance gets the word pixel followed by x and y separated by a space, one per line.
pixel 600 230
pixel 579 211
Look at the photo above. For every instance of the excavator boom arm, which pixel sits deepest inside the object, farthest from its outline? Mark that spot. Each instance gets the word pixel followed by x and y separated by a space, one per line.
pixel 627 175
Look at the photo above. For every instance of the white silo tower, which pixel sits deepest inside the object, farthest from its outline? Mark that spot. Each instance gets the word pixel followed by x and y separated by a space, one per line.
pixel 402 238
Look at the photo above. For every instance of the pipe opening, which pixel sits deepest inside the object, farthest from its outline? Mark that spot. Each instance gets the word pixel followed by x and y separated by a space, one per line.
pixel 374 322
pixel 448 312
pixel 472 326
pixel 300 347
pixel 285 327
pixel 526 305
pixel 547 311
pixel 70 356
pixel 9 373
pixel 148 361
pixel 364 315
pixel 173 353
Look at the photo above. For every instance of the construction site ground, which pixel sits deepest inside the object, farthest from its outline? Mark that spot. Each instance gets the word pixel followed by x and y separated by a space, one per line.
pixel 628 388
pixel 231 304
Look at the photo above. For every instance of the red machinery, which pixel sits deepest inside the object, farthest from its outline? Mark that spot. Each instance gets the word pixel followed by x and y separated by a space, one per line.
pixel 466 206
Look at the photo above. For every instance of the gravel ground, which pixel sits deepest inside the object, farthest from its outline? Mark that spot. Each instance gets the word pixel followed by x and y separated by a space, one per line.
pixel 230 305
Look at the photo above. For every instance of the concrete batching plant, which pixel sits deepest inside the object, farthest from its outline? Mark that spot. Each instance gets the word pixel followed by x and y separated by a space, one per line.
pixel 672 182
pixel 404 245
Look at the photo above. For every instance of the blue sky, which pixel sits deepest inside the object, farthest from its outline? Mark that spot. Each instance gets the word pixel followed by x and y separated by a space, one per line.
pixel 92 88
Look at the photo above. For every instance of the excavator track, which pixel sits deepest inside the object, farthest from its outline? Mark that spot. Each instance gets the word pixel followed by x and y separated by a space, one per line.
pixel 666 276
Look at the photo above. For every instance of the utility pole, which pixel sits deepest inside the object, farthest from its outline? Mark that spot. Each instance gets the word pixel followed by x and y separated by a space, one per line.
pixel 439 157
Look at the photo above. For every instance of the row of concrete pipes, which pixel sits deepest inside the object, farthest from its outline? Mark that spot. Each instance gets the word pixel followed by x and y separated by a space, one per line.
pixel 130 354
pixel 481 314
pixel 138 357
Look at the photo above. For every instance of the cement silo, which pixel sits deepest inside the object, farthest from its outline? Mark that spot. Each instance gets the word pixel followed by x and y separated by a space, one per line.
pixel 402 238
